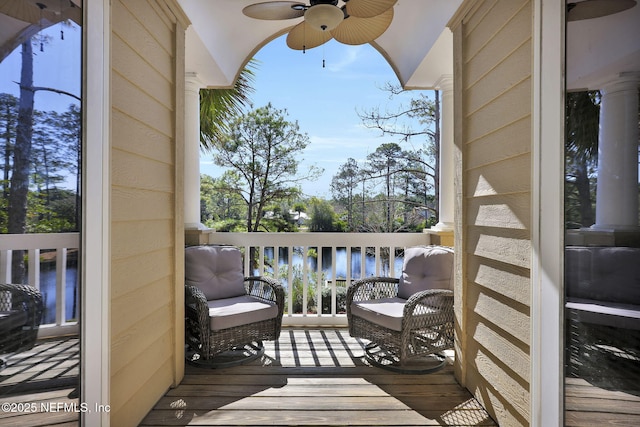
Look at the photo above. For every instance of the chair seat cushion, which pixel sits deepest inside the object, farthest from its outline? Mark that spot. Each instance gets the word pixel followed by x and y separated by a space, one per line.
pixel 232 312
pixel 386 312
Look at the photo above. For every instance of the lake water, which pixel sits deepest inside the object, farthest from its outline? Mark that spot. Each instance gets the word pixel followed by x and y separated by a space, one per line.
pixel 48 290
pixel 340 262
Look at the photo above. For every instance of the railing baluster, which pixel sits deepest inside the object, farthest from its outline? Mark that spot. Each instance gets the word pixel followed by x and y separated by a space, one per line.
pixel 247 261
pixel 61 285
pixel 392 261
pixel 319 281
pixel 305 279
pixel 276 261
pixel 348 251
pixel 334 280
pixel 261 260
pixel 5 266
pixel 290 279
pixel 34 268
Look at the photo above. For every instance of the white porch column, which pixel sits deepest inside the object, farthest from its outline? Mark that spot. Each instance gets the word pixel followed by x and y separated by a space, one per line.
pixel 617 195
pixel 445 204
pixel 192 153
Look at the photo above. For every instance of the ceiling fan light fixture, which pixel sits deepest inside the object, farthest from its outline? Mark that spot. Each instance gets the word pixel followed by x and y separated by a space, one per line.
pixel 324 17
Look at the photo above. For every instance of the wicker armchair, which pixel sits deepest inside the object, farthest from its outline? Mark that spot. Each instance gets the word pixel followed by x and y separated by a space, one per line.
pixel 226 311
pixel 408 321
pixel 20 316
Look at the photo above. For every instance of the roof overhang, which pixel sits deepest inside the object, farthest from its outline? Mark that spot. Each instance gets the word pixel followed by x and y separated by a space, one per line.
pixel 20 20
pixel 418 45
pixel 221 40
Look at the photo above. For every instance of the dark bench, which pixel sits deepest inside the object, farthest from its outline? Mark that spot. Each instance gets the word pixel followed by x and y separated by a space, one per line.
pixel 603 285
pixel 20 315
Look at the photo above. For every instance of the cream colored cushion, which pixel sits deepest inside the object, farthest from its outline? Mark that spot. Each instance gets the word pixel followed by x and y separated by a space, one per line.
pixel 215 270
pixel 426 267
pixel 231 312
pixel 385 312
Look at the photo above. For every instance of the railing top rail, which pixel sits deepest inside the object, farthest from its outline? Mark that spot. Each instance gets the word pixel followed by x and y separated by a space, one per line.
pixel 320 239
pixel 39 241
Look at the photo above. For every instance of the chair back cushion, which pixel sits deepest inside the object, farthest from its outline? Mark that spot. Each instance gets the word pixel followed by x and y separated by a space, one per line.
pixel 215 270
pixel 426 267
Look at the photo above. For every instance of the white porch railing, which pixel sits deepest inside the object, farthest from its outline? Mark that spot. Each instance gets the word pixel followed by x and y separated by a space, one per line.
pixel 310 266
pixel 36 246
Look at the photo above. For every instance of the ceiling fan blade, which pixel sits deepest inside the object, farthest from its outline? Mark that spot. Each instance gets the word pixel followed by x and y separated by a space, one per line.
pixel 588 9
pixel 368 8
pixel 354 30
pixel 304 36
pixel 274 10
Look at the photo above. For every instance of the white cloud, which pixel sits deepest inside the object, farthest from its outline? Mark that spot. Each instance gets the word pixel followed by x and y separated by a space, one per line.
pixel 348 58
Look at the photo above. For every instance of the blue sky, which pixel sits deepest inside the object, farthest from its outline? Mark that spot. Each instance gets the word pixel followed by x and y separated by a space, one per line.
pixel 58 66
pixel 324 101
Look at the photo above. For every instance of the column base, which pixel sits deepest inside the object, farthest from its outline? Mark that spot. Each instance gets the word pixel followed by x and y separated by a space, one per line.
pixel 628 237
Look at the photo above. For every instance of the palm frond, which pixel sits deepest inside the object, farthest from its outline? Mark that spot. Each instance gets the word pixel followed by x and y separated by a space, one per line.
pixel 219 106
pixel 583 118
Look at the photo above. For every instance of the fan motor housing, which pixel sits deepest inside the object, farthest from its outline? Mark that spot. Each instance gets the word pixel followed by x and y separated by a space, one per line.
pixel 315 2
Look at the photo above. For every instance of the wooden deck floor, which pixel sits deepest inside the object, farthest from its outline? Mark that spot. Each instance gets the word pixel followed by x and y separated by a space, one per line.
pixel 589 405
pixel 316 377
pixel 309 377
pixel 603 377
pixel 40 381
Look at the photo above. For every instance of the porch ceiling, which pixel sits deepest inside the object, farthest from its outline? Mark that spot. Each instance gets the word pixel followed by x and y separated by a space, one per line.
pixel 600 49
pixel 221 39
pixel 19 20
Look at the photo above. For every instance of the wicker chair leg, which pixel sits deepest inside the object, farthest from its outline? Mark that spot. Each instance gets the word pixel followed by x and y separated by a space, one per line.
pixel 237 356
pixel 381 358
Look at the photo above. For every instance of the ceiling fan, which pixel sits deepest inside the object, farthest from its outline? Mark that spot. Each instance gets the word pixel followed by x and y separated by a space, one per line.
pixel 354 22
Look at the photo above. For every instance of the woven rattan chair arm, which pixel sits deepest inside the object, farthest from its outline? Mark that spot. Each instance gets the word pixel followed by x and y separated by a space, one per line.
pixel 195 298
pixel 372 288
pixel 26 298
pixel 29 300
pixel 266 288
pixel 22 294
pixel 437 298
pixel 197 310
pixel 427 302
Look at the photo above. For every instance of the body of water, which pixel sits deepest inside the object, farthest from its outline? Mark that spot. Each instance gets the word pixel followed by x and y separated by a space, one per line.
pixel 48 290
pixel 340 262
